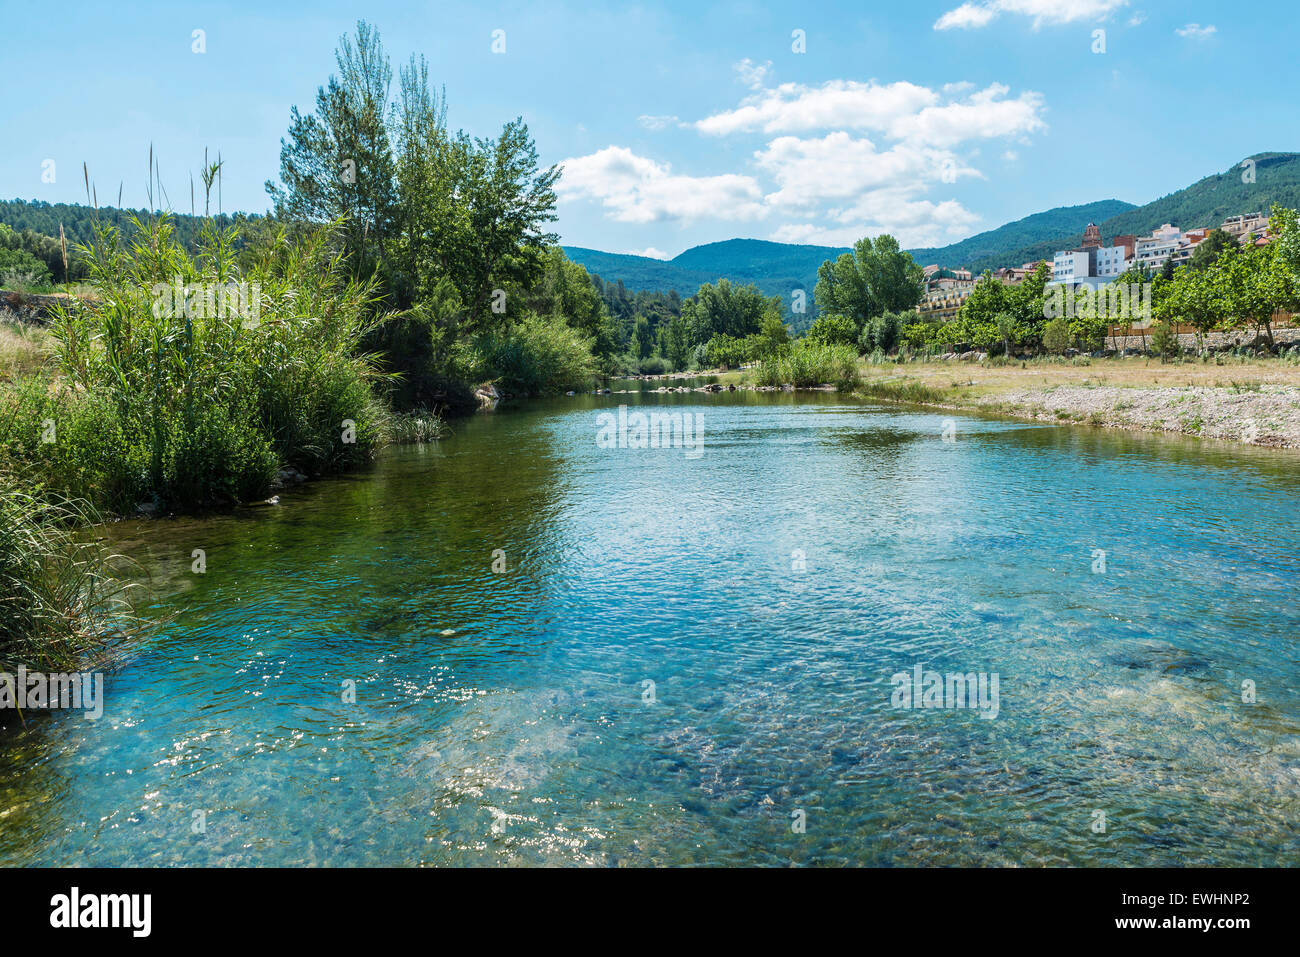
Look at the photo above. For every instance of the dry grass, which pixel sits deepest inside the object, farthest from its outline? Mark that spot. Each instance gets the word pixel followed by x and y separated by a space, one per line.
pixel 24 349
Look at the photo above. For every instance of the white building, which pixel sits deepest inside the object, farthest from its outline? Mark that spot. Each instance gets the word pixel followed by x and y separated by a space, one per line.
pixel 1111 261
pixel 1071 266
pixel 1153 250
pixel 1089 267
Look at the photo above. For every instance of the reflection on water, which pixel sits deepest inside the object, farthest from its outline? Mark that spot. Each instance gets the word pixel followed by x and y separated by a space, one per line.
pixel 681 653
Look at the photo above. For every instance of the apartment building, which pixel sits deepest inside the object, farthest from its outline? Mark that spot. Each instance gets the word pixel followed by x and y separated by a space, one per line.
pixel 1152 251
pixel 1239 226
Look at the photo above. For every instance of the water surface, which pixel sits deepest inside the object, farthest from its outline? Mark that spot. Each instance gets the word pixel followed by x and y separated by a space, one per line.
pixel 769 589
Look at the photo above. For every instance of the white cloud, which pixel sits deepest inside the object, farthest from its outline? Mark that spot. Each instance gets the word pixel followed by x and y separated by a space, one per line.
pixel 649 252
pixel 1194 31
pixel 1137 19
pixel 911 221
pixel 656 122
pixel 635 189
pixel 899 110
pixel 838 104
pixel 753 74
pixel 984 114
pixel 981 13
pixel 841 160
pixel 838 167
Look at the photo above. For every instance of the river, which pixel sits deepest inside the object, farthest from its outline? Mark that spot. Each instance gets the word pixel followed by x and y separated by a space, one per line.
pixel 688 656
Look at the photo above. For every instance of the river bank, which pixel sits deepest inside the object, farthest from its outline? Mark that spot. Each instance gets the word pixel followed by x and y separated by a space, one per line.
pixel 1253 401
pixel 1256 402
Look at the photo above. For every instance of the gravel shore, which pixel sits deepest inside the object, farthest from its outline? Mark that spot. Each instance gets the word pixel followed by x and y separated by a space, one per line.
pixel 1267 415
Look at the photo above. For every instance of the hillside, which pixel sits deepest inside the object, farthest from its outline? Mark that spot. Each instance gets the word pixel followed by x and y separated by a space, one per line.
pixel 45 218
pixel 1206 202
pixel 997 244
pixel 775 268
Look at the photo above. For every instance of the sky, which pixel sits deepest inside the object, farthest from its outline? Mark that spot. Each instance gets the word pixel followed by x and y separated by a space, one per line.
pixel 684 123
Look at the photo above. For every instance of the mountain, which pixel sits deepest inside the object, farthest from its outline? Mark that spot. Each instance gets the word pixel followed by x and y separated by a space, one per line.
pixel 777 268
pixel 1032 230
pixel 1206 202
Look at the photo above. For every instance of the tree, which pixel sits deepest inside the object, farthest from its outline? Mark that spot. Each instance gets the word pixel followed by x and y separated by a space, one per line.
pixel 1024 303
pixel 1197 299
pixel 338 161
pixel 674 342
pixel 1255 284
pixel 487 203
pixel 1005 323
pixel 875 278
pixel 772 336
pixel 832 330
pixel 567 292
pixel 884 331
pixel 976 322
pixel 1056 335
pixel 1209 249
pixel 643 339
pixel 726 309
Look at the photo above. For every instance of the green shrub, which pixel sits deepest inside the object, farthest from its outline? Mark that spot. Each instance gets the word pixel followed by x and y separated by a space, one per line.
pixel 539 355
pixel 728 351
pixel 808 364
pixel 884 332
pixel 1164 340
pixel 1056 335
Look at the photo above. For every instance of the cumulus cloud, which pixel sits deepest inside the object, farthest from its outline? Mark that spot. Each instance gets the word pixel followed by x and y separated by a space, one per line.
pixel 649 252
pixel 838 104
pixel 635 189
pixel 913 222
pixel 899 110
pixel 1194 31
pixel 981 13
pixel 838 167
pixel 840 160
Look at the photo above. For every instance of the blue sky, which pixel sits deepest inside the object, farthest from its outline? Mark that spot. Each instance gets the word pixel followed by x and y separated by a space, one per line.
pixel 685 123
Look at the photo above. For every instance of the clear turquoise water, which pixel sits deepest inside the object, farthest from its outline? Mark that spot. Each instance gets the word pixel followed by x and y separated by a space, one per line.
pixel 500 717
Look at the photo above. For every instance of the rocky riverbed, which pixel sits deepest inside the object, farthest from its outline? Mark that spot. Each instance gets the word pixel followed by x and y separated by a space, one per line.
pixel 1261 415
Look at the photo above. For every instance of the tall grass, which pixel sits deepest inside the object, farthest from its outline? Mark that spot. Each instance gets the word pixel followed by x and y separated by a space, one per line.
pixel 806 364
pixel 61 597
pixel 190 400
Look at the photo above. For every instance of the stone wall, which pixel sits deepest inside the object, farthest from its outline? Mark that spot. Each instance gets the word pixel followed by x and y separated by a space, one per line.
pixel 29 307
